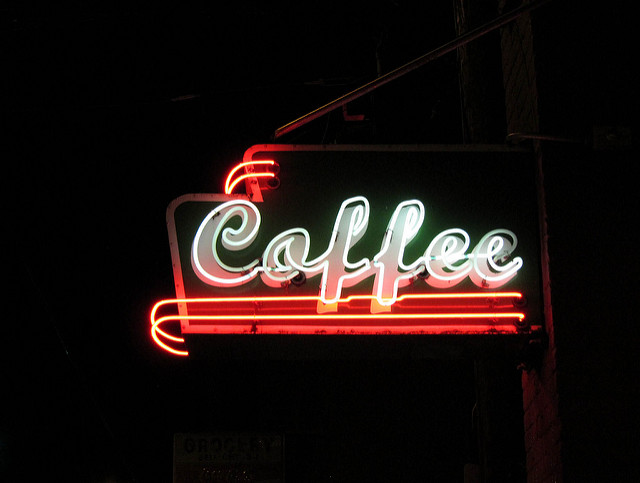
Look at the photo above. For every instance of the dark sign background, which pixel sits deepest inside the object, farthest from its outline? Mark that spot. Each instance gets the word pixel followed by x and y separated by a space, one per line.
pixel 477 190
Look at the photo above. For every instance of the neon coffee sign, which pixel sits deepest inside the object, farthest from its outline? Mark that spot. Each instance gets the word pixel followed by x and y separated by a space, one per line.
pixel 282 288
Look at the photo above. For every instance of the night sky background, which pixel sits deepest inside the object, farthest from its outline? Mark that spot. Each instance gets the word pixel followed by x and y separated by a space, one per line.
pixel 113 112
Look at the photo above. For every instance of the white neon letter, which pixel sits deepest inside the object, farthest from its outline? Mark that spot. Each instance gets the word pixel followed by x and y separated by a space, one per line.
pixel 446 258
pixel 337 271
pixel 491 267
pixel 392 272
pixel 285 257
pixel 204 253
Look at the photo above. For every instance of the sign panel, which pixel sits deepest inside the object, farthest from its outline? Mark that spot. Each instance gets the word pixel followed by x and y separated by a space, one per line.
pixel 358 240
pixel 228 456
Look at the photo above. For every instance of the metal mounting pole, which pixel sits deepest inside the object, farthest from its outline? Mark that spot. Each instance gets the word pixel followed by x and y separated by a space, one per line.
pixel 414 64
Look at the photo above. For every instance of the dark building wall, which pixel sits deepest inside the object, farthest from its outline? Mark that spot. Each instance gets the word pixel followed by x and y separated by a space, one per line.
pixel 480 75
pixel 588 92
pixel 542 424
pixel 500 448
pixel 566 79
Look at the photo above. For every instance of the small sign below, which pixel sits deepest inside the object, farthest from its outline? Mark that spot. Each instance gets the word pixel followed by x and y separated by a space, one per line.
pixel 228 456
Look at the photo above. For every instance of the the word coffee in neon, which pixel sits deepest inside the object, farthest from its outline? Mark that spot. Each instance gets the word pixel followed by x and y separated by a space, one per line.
pixel 446 261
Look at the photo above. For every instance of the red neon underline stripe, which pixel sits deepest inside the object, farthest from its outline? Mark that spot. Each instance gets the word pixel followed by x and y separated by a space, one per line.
pixel 359 329
pixel 291 298
pixel 158 333
pixel 384 316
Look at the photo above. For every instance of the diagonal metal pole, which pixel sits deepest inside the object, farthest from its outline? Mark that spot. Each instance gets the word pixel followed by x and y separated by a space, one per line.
pixel 414 64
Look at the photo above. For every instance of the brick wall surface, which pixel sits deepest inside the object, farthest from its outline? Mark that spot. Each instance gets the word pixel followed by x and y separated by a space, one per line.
pixel 519 76
pixel 542 426
pixel 565 71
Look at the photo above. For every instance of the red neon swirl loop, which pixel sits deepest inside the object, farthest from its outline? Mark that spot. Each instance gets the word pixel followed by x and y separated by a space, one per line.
pixel 231 183
pixel 158 334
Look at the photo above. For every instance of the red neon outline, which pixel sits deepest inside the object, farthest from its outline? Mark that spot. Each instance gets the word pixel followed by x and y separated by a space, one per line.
pixel 157 333
pixel 229 186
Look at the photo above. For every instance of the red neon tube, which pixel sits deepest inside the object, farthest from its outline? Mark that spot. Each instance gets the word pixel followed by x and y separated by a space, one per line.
pixel 314 323
pixel 229 185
